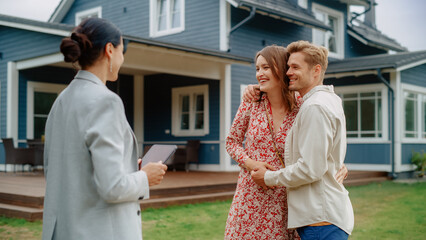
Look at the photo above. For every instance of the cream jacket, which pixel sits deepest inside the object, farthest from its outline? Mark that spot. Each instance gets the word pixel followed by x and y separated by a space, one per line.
pixel 314 152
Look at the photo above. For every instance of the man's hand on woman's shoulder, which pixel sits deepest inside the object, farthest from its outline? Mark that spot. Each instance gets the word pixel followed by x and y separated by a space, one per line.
pixel 251 93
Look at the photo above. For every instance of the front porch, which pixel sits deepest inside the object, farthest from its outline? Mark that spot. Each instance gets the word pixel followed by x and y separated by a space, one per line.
pixel 22 194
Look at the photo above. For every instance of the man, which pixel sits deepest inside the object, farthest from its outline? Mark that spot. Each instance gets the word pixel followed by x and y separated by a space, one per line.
pixel 319 206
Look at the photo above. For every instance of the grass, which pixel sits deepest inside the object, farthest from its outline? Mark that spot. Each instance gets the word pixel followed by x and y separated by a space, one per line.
pixel 385 210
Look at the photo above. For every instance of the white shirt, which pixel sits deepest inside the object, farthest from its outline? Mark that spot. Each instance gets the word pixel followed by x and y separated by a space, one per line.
pixel 315 149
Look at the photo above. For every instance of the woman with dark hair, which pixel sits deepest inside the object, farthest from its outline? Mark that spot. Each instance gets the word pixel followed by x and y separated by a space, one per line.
pixel 91 159
pixel 256 212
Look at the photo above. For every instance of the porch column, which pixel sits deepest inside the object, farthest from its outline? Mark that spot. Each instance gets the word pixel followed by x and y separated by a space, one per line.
pixel 225 116
pixel 12 101
pixel 138 93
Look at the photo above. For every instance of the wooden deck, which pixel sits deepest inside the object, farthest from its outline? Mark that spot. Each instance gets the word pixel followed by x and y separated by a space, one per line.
pixel 22 194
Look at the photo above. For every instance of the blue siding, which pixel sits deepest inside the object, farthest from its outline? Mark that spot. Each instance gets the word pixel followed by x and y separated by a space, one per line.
pixel 262 31
pixel 353 81
pixel 408 149
pixel 18 45
pixel 415 75
pixel 368 153
pixel 355 48
pixel 240 75
pixel 132 17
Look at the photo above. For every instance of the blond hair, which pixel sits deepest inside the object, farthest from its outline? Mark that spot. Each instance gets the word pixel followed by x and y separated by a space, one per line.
pixel 313 54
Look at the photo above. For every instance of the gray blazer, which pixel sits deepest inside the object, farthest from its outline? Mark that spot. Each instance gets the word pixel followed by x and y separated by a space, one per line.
pixel 90 164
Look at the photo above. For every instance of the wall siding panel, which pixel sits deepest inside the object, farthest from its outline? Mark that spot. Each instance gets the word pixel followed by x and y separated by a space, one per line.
pixel 415 75
pixel 19 45
pixel 407 150
pixel 368 153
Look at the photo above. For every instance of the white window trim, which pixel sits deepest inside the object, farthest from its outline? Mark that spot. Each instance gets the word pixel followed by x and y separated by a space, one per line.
pixel 38 87
pixel 85 13
pixel 303 3
pixel 340 36
pixel 370 88
pixel 153 21
pixel 176 92
pixel 419 91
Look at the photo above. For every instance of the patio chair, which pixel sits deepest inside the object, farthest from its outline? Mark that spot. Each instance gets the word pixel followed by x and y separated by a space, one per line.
pixel 38 146
pixel 17 155
pixel 186 155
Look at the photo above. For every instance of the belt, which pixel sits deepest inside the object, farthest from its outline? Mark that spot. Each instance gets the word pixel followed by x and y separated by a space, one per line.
pixel 320 224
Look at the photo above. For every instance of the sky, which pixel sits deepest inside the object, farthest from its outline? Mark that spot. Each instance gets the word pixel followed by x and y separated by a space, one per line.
pixel 402 20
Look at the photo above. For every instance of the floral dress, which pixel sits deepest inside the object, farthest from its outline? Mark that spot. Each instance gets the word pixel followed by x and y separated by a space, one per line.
pixel 256 213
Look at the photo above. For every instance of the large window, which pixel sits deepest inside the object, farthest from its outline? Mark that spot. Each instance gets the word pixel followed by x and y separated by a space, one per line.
pixel 40 98
pixel 190 111
pixel 332 40
pixel 93 12
pixel 364 112
pixel 166 17
pixel 415 115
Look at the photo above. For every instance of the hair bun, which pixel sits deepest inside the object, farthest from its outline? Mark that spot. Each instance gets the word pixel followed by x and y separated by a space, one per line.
pixel 70 49
pixel 83 41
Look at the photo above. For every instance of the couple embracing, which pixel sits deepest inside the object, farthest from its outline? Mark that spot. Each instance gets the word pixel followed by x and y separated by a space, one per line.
pixel 290 183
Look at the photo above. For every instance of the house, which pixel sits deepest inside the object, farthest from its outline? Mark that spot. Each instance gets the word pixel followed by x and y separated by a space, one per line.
pixel 188 60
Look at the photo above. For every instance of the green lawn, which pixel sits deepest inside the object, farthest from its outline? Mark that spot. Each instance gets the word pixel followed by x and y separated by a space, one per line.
pixel 382 211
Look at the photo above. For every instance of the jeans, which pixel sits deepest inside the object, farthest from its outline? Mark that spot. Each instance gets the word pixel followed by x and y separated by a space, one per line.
pixel 328 232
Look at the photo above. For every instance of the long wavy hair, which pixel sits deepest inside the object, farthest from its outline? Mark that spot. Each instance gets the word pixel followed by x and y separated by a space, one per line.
pixel 277 57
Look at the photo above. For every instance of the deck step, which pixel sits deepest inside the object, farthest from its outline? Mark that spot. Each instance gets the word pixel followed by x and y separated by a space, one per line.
pixel 22 200
pixel 191 199
pixel 363 181
pixel 30 214
pixel 191 190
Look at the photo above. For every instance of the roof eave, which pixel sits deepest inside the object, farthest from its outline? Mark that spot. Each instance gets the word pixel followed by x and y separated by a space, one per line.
pixel 375 44
pixel 289 17
pixel 207 52
pixel 60 11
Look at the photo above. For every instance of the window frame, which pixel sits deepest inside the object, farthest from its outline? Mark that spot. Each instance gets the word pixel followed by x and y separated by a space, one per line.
pixel 176 110
pixel 38 87
pixel 82 14
pixel 303 3
pixel 340 37
pixel 421 129
pixel 153 19
pixel 358 89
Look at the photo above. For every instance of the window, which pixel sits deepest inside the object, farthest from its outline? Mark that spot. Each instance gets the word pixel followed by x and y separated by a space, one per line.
pixel 190 111
pixel 40 98
pixel 364 111
pixel 415 115
pixel 332 40
pixel 166 17
pixel 93 12
pixel 410 102
pixel 424 116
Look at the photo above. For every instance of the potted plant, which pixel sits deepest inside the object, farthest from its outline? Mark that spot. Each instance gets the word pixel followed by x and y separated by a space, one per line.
pixel 419 159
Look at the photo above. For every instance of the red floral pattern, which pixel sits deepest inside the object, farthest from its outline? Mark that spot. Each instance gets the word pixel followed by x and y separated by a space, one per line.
pixel 256 213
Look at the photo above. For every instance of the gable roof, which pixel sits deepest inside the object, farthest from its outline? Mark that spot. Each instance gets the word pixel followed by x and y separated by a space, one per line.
pixel 61 10
pixel 282 9
pixel 373 62
pixel 373 37
pixel 36 26
pixel 65 30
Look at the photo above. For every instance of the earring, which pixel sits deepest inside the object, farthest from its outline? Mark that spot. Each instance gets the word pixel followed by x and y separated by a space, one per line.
pixel 110 66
